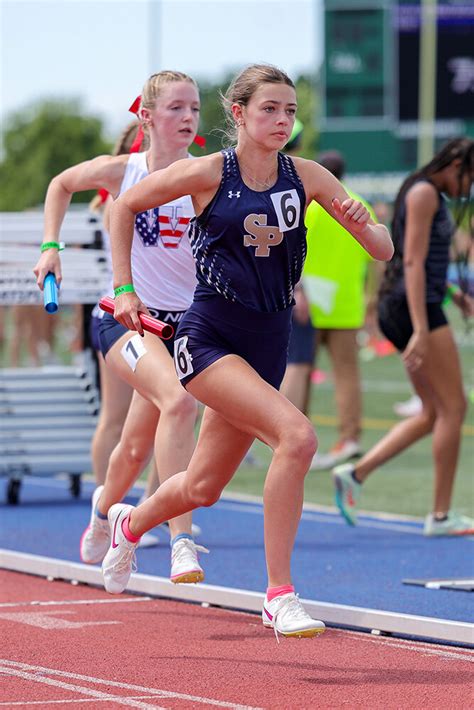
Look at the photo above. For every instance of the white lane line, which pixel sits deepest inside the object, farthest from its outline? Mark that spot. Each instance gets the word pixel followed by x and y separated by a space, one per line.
pixel 68 701
pixel 48 620
pixel 128 686
pixel 420 647
pixel 233 496
pixel 135 600
pixel 328 518
pixel 448 655
pixel 96 694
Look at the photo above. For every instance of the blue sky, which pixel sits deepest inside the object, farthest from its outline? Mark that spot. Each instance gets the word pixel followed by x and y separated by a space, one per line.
pixel 102 51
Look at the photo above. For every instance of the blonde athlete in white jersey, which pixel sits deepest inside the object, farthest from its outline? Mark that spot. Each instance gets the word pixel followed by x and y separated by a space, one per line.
pixel 162 414
pixel 115 394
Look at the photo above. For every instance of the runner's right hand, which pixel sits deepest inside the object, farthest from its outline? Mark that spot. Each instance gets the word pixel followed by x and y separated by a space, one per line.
pixel 127 308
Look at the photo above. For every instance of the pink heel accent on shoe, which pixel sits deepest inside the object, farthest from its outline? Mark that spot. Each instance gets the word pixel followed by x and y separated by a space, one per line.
pixel 273 592
pixel 127 532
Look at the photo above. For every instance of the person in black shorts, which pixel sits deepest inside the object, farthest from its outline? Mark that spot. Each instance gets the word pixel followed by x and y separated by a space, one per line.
pixel 249 243
pixel 411 316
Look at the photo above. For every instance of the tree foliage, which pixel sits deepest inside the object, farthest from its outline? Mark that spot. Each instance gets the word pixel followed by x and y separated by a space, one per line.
pixel 307 94
pixel 41 142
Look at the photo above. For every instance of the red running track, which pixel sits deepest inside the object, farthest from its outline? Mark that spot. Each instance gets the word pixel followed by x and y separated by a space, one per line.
pixel 76 646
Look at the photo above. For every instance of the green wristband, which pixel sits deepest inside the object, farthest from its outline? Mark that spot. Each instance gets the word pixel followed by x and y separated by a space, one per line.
pixel 452 290
pixel 128 288
pixel 52 245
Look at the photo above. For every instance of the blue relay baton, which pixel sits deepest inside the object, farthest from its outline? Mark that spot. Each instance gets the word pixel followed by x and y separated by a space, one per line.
pixel 50 293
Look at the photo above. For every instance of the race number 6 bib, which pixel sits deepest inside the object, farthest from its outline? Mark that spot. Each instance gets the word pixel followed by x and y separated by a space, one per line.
pixel 288 209
pixel 183 360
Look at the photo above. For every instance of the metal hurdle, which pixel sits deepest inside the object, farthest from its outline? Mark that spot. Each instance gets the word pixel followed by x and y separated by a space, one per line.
pixel 48 414
pixel 46 432
pixel 84 262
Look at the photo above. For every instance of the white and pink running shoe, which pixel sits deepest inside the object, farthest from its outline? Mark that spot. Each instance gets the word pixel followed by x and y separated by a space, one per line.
pixel 287 616
pixel 185 567
pixel 120 561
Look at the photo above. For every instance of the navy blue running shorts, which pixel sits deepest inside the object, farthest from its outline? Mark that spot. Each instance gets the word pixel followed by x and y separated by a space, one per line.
pixel 111 330
pixel 302 348
pixel 215 327
pixel 395 322
pixel 94 326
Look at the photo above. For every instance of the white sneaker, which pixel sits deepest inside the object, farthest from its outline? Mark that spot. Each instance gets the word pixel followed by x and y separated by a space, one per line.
pixel 455 524
pixel 119 562
pixel 287 616
pixel 95 539
pixel 343 451
pixel 347 492
pixel 185 567
pixel 410 408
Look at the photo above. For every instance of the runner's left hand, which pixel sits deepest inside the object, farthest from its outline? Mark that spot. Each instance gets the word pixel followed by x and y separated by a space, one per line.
pixel 352 214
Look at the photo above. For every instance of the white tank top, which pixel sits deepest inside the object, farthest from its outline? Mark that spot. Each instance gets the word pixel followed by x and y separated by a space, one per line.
pixel 163 270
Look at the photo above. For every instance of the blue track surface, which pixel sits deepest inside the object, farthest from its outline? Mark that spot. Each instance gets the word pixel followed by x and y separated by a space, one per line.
pixel 361 566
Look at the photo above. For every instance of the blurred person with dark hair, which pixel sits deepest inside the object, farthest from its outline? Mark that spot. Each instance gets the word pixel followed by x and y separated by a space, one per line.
pixel 411 316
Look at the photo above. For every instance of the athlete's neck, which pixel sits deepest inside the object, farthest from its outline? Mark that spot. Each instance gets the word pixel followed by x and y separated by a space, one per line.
pixel 159 156
pixel 260 166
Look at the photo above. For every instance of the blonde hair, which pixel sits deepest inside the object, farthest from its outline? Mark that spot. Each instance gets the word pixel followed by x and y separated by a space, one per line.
pixel 243 87
pixel 154 85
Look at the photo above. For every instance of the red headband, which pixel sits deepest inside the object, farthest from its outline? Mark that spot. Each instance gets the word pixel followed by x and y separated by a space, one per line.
pixel 103 194
pixel 134 108
pixel 200 141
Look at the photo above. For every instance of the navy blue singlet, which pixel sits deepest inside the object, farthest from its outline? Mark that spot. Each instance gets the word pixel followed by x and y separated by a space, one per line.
pixel 250 246
pixel 437 257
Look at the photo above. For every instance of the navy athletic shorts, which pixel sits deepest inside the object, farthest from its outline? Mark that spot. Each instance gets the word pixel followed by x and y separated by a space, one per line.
pixel 395 322
pixel 94 327
pixel 302 348
pixel 111 330
pixel 215 327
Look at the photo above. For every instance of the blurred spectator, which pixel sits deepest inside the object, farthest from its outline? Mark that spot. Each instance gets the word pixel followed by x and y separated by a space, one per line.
pixel 33 329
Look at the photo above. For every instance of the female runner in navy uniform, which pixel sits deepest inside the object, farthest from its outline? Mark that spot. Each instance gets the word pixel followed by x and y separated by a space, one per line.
pixel 248 240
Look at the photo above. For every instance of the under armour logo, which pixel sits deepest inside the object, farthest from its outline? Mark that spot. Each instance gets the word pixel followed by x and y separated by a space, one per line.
pixel 233 194
pixel 261 236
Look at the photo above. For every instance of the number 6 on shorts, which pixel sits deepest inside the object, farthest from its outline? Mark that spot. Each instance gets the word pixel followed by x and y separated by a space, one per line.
pixel 183 360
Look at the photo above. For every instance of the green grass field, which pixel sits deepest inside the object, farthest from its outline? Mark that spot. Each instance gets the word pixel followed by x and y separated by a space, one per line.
pixel 404 485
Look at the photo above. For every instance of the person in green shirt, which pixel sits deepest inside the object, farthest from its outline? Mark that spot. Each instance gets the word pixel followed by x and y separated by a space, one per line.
pixel 330 310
